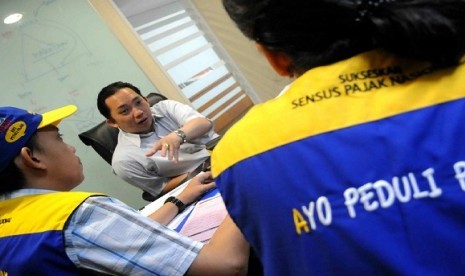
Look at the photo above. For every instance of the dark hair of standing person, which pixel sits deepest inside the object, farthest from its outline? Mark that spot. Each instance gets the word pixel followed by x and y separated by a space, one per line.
pixel 320 32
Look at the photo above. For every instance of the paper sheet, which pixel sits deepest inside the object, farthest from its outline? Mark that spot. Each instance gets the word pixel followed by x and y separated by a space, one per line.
pixel 205 218
pixel 198 221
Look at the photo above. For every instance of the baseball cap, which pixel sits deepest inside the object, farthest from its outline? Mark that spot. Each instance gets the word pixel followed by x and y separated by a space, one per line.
pixel 18 125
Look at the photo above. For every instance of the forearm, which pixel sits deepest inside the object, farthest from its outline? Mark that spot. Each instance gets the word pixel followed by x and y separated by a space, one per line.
pixel 196 128
pixel 170 144
pixel 165 214
pixel 196 188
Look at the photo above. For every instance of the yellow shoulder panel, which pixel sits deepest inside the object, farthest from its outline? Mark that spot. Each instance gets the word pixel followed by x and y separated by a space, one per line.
pixel 38 213
pixel 365 88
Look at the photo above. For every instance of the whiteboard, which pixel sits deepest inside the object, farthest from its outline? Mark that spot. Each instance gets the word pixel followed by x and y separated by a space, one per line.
pixel 61 53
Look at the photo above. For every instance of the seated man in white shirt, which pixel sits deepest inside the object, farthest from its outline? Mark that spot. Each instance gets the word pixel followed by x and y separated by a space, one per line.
pixel 157 146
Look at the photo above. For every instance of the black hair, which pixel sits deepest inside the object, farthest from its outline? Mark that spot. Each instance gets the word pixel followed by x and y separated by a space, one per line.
pixel 320 32
pixel 110 90
pixel 12 178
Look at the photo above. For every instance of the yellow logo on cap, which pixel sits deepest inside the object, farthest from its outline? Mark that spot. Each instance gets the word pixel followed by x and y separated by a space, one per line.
pixel 15 131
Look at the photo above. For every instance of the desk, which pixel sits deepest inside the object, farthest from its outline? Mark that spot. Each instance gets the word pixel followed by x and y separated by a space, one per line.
pixel 199 220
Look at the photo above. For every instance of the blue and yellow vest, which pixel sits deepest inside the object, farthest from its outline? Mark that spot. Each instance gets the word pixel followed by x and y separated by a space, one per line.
pixel 359 168
pixel 31 233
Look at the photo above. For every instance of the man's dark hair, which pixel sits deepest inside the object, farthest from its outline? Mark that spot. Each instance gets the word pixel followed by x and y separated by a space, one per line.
pixel 109 91
pixel 321 32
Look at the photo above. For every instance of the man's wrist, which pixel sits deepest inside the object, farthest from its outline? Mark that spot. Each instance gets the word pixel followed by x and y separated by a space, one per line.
pixel 181 134
pixel 181 206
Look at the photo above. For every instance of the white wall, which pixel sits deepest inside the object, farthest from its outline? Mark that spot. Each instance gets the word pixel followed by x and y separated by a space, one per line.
pixel 60 53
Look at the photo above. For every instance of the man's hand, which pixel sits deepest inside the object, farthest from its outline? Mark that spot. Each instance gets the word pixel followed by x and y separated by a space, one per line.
pixel 198 185
pixel 168 146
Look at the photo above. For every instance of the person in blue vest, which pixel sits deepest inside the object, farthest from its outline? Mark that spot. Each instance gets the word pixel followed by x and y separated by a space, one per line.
pixel 47 229
pixel 358 167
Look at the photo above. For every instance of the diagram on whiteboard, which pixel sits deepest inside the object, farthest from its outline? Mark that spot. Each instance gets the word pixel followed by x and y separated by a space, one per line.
pixel 45 54
pixel 61 52
pixel 51 60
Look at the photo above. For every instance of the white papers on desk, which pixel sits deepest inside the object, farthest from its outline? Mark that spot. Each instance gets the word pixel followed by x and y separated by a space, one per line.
pixel 198 221
pixel 205 218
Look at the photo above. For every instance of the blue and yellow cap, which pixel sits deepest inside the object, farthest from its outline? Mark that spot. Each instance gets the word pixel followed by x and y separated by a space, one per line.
pixel 18 125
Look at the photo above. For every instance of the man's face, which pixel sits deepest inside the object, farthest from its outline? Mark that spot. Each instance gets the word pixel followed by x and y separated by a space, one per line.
pixel 129 111
pixel 64 168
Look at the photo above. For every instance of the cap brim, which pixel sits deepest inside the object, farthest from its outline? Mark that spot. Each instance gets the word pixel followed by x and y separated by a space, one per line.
pixel 54 117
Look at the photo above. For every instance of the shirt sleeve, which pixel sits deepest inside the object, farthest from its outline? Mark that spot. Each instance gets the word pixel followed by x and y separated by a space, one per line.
pixel 181 114
pixel 177 111
pixel 108 236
